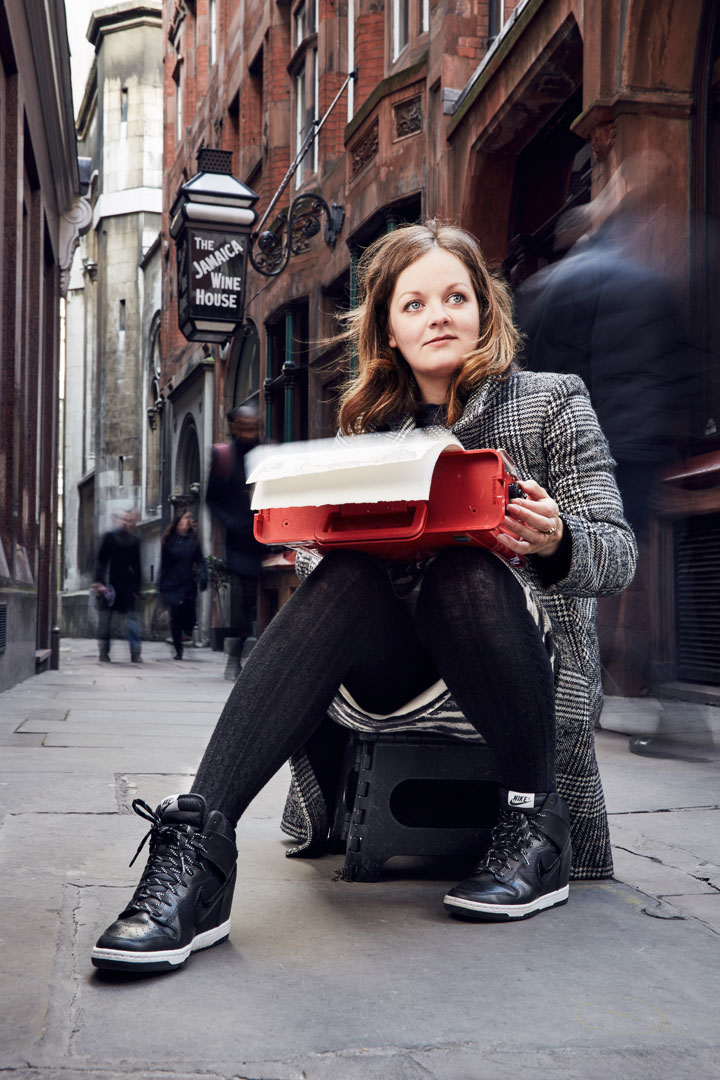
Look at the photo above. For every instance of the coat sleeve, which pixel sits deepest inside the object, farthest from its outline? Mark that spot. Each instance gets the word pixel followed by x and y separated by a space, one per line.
pixel 103 558
pixel 580 477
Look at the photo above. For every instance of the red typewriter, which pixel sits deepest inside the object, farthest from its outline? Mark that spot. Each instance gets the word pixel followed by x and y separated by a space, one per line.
pixel 468 493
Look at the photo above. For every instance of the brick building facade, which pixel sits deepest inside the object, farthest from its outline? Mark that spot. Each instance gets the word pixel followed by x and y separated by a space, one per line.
pixel 494 115
pixel 41 215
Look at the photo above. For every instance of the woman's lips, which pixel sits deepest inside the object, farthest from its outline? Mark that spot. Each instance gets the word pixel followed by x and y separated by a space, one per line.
pixel 440 340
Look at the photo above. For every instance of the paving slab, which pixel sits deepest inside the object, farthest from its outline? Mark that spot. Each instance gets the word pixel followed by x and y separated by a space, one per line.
pixel 323 979
pixel 635 784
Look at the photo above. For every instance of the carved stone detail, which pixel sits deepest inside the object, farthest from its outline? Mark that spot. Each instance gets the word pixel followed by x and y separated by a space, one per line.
pixel 365 148
pixel 408 117
pixel 73 223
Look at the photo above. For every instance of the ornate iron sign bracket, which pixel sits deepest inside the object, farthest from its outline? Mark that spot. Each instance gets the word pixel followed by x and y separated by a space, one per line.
pixel 294 228
pixel 293 233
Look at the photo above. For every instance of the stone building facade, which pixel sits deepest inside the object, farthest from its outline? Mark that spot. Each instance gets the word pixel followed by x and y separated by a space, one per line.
pixel 495 115
pixel 113 407
pixel 42 212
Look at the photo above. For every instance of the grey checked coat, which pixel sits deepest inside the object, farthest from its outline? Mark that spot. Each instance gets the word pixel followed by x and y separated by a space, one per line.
pixel 547 426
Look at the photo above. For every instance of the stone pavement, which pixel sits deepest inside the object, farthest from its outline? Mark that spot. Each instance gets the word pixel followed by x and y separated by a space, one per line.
pixel 327 980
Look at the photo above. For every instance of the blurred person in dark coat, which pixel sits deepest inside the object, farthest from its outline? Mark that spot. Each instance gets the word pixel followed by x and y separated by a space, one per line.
pixel 228 500
pixel 117 583
pixel 605 313
pixel 608 316
pixel 182 569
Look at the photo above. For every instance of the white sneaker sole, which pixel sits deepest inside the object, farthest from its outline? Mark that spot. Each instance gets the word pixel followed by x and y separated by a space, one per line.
pixel 125 960
pixel 502 912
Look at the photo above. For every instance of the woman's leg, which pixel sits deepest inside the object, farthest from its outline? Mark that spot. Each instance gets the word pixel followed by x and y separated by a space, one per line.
pixel 473 619
pixel 176 627
pixel 344 624
pixel 189 613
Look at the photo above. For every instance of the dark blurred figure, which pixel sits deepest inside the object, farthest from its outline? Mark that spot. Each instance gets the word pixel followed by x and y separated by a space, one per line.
pixel 606 315
pixel 117 583
pixel 182 569
pixel 228 500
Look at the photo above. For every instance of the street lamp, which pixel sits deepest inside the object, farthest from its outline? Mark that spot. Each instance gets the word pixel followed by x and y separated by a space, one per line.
pixel 211 222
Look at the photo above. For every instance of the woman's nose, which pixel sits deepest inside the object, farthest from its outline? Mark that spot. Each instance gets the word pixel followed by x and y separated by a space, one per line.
pixel 437 314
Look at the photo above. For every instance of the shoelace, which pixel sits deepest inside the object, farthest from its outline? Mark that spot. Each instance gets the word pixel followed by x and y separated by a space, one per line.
pixel 511 839
pixel 175 852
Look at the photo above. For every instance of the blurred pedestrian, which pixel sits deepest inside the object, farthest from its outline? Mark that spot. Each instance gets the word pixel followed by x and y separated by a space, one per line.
pixel 117 583
pixel 228 500
pixel 182 569
pixel 605 314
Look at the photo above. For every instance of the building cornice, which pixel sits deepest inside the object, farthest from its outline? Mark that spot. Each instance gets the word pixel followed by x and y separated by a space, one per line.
pixel 202 367
pixel 140 200
pixel 123 17
pixel 47 31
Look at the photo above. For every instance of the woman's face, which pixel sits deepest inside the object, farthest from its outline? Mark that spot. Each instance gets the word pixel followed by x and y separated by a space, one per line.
pixel 434 320
pixel 184 524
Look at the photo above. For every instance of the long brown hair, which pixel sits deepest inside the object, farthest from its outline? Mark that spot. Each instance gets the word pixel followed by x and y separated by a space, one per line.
pixel 171 531
pixel 385 388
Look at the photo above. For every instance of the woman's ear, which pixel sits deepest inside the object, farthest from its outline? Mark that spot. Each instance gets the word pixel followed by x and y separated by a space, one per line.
pixel 391 340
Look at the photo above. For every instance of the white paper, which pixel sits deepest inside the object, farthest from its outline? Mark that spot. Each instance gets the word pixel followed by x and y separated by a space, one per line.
pixel 357 469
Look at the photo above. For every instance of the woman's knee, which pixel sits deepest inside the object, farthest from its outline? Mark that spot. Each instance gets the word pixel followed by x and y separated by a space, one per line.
pixel 350 566
pixel 458 567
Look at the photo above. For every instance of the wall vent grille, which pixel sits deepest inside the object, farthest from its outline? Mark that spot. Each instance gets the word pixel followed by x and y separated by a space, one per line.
pixel 697 598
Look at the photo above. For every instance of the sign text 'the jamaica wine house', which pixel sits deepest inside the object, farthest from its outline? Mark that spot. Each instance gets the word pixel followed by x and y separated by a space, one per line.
pixel 211 282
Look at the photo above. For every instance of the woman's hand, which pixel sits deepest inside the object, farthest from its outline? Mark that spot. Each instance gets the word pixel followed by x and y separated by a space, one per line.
pixel 534 524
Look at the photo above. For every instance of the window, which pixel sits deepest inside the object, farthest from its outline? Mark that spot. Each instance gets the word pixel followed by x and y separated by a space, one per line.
pixel 178 79
pixel 304 20
pixel 399 27
pixel 287 375
pixel 424 16
pixel 350 57
pixel 121 317
pixel 496 18
pixel 124 105
pixel 153 403
pixel 213 32
pixel 306 93
pixel 300 121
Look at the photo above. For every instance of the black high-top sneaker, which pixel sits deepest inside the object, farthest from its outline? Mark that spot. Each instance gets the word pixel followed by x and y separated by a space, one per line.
pixel 183 901
pixel 527 867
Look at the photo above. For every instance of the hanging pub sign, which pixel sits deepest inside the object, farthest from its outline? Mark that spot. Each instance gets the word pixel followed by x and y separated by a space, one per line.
pixel 211 283
pixel 211 222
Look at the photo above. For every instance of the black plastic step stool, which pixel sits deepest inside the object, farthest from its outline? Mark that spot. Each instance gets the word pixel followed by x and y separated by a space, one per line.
pixel 408 794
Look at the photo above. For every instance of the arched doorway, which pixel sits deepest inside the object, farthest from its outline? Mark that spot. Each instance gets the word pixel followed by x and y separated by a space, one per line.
pixel 187 466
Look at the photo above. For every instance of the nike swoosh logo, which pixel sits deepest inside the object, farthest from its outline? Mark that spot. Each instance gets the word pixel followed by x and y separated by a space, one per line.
pixel 204 907
pixel 548 864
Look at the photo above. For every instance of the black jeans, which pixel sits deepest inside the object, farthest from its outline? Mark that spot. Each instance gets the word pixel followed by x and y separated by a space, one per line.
pixel 346 625
pixel 182 620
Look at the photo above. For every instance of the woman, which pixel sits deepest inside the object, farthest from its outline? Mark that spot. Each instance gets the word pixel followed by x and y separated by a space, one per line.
pixel 182 567
pixel 435 343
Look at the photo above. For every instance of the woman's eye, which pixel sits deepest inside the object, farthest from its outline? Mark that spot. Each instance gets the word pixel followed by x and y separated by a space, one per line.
pixel 413 305
pixel 457 298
